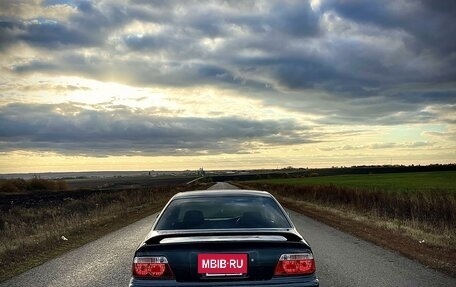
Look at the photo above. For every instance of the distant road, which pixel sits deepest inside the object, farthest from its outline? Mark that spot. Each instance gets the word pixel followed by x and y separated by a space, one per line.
pixel 222 185
pixel 342 260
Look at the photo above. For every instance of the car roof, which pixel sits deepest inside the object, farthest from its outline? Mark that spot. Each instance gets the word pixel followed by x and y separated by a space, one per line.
pixel 222 192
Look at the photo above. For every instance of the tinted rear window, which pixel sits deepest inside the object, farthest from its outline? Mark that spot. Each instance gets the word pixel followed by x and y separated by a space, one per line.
pixel 222 212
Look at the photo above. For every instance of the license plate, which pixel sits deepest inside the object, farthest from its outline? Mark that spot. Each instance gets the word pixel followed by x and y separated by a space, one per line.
pixel 218 264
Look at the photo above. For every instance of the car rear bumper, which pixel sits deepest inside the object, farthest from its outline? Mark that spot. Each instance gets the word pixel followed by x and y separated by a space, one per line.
pixel 308 281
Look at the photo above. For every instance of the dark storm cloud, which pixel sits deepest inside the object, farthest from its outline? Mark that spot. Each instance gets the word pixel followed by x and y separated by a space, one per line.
pixel 297 20
pixel 138 72
pixel 53 34
pixel 148 42
pixel 346 61
pixel 88 27
pixel 35 66
pixel 7 33
pixel 432 23
pixel 44 33
pixel 70 129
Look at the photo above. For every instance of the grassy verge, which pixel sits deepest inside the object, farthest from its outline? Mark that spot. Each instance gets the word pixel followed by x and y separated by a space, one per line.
pixel 434 209
pixel 411 242
pixel 31 234
pixel 425 238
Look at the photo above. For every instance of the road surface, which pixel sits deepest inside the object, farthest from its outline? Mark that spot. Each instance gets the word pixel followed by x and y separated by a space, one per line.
pixel 222 185
pixel 342 260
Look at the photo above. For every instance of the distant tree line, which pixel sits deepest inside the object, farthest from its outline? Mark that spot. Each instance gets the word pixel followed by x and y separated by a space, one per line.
pixel 305 172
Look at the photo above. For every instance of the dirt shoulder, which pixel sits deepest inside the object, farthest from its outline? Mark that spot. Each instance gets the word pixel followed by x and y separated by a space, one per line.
pixel 32 256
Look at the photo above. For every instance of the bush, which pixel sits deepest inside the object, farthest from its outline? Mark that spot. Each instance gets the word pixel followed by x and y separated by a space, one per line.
pixel 41 184
pixel 9 187
pixel 62 185
pixel 35 184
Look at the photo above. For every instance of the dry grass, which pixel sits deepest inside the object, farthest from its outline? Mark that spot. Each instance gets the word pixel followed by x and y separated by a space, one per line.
pixel 420 225
pixel 29 231
pixel 432 250
pixel 20 185
pixel 429 209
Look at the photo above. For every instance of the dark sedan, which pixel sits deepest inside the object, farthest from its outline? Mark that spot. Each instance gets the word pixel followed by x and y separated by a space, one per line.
pixel 223 238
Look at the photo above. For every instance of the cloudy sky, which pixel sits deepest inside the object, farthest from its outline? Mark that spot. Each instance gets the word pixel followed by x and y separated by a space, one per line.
pixel 172 85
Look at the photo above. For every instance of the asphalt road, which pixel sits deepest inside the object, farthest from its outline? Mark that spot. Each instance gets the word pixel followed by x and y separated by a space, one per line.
pixel 342 260
pixel 222 185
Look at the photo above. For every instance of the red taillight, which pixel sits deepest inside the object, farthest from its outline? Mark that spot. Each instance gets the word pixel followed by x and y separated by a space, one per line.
pixel 295 264
pixel 152 267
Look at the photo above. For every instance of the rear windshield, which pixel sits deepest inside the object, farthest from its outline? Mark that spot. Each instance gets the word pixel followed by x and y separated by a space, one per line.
pixel 222 212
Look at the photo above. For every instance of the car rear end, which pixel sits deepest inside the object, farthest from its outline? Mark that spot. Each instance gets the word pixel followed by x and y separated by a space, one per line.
pixel 236 259
pixel 237 256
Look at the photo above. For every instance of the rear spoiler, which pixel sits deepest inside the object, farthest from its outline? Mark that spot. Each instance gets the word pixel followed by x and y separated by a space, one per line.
pixel 155 237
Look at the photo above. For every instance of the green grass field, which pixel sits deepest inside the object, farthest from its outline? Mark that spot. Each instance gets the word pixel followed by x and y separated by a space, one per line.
pixel 413 181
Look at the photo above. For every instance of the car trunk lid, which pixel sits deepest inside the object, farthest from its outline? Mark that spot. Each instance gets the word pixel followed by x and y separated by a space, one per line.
pixel 259 251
